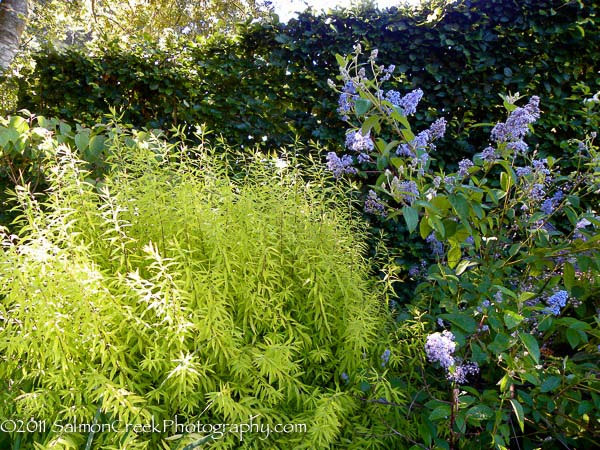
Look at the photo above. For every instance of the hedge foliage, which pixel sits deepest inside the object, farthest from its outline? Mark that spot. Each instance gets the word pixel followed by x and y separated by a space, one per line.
pixel 270 79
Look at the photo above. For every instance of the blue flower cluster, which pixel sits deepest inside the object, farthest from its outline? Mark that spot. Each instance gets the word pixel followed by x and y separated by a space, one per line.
pixel 489 154
pixel 418 148
pixel 440 348
pixel 463 167
pixel 347 99
pixel 373 205
pixel 437 248
pixel 459 373
pixel 387 73
pixel 393 97
pixel 549 205
pixel 516 126
pixel 438 129
pixel 339 166
pixel 404 191
pixel 541 166
pixel 409 102
pixel 556 302
pixel 355 141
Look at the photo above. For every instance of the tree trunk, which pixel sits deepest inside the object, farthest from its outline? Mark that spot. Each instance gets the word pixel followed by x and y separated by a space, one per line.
pixel 13 17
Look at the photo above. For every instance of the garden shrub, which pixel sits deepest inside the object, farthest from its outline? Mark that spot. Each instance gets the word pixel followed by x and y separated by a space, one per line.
pixel 509 276
pixel 176 290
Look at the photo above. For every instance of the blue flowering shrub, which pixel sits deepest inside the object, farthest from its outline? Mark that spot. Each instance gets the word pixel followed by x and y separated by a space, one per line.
pixel 508 285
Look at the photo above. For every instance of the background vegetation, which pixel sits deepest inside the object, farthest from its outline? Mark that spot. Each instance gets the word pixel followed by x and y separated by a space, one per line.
pixel 463 55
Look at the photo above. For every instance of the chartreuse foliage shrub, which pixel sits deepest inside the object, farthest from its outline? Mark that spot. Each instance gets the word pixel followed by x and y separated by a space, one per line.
pixel 512 294
pixel 269 79
pixel 175 289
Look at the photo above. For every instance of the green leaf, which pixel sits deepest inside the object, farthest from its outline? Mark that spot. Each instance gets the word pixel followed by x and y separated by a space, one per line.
pixel 573 337
pixel 19 124
pixel 512 319
pixel 82 139
pixel 437 225
pixel 407 134
pixel 425 432
pixel 480 412
pixel 362 105
pixel 518 409
pixel 460 422
pixel 424 228
pixel 531 345
pixel 501 343
pixel 454 255
pixel 464 265
pixel 441 202
pixel 462 321
pixel 461 206
pixel 411 217
pixel 371 122
pixel 441 412
pixel 568 276
pixel 340 60
pixel 573 200
pixel 550 384
pixel 505 181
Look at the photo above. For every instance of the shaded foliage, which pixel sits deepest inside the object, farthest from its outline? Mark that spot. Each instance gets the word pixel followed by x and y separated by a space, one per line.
pixel 270 79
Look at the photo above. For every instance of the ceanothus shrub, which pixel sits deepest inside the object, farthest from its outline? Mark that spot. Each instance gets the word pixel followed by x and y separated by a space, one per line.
pixel 511 289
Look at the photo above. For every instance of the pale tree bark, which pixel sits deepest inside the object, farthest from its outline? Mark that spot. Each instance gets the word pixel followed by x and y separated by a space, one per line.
pixel 13 18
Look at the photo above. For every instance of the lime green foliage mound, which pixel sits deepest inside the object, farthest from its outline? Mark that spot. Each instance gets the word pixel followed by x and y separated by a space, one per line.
pixel 174 290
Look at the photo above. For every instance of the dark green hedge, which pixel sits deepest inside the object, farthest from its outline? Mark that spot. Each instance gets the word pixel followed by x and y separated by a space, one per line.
pixel 271 80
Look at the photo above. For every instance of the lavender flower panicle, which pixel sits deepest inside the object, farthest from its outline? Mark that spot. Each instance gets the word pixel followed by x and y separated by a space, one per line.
pixel 489 154
pixel 549 205
pixel 498 297
pixel 404 191
pixel 582 224
pixel 537 192
pixel 393 97
pixel 414 271
pixel 405 150
pixel 523 171
pixel 458 374
pixel 438 128
pixel 517 125
pixel 387 73
pixel 440 347
pixel 541 166
pixel 340 166
pixel 437 248
pixel 373 205
pixel 357 142
pixel 347 99
pixel 556 302
pixel 463 167
pixel 409 102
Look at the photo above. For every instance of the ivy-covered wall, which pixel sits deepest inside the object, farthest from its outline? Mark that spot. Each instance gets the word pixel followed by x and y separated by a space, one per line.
pixel 271 79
